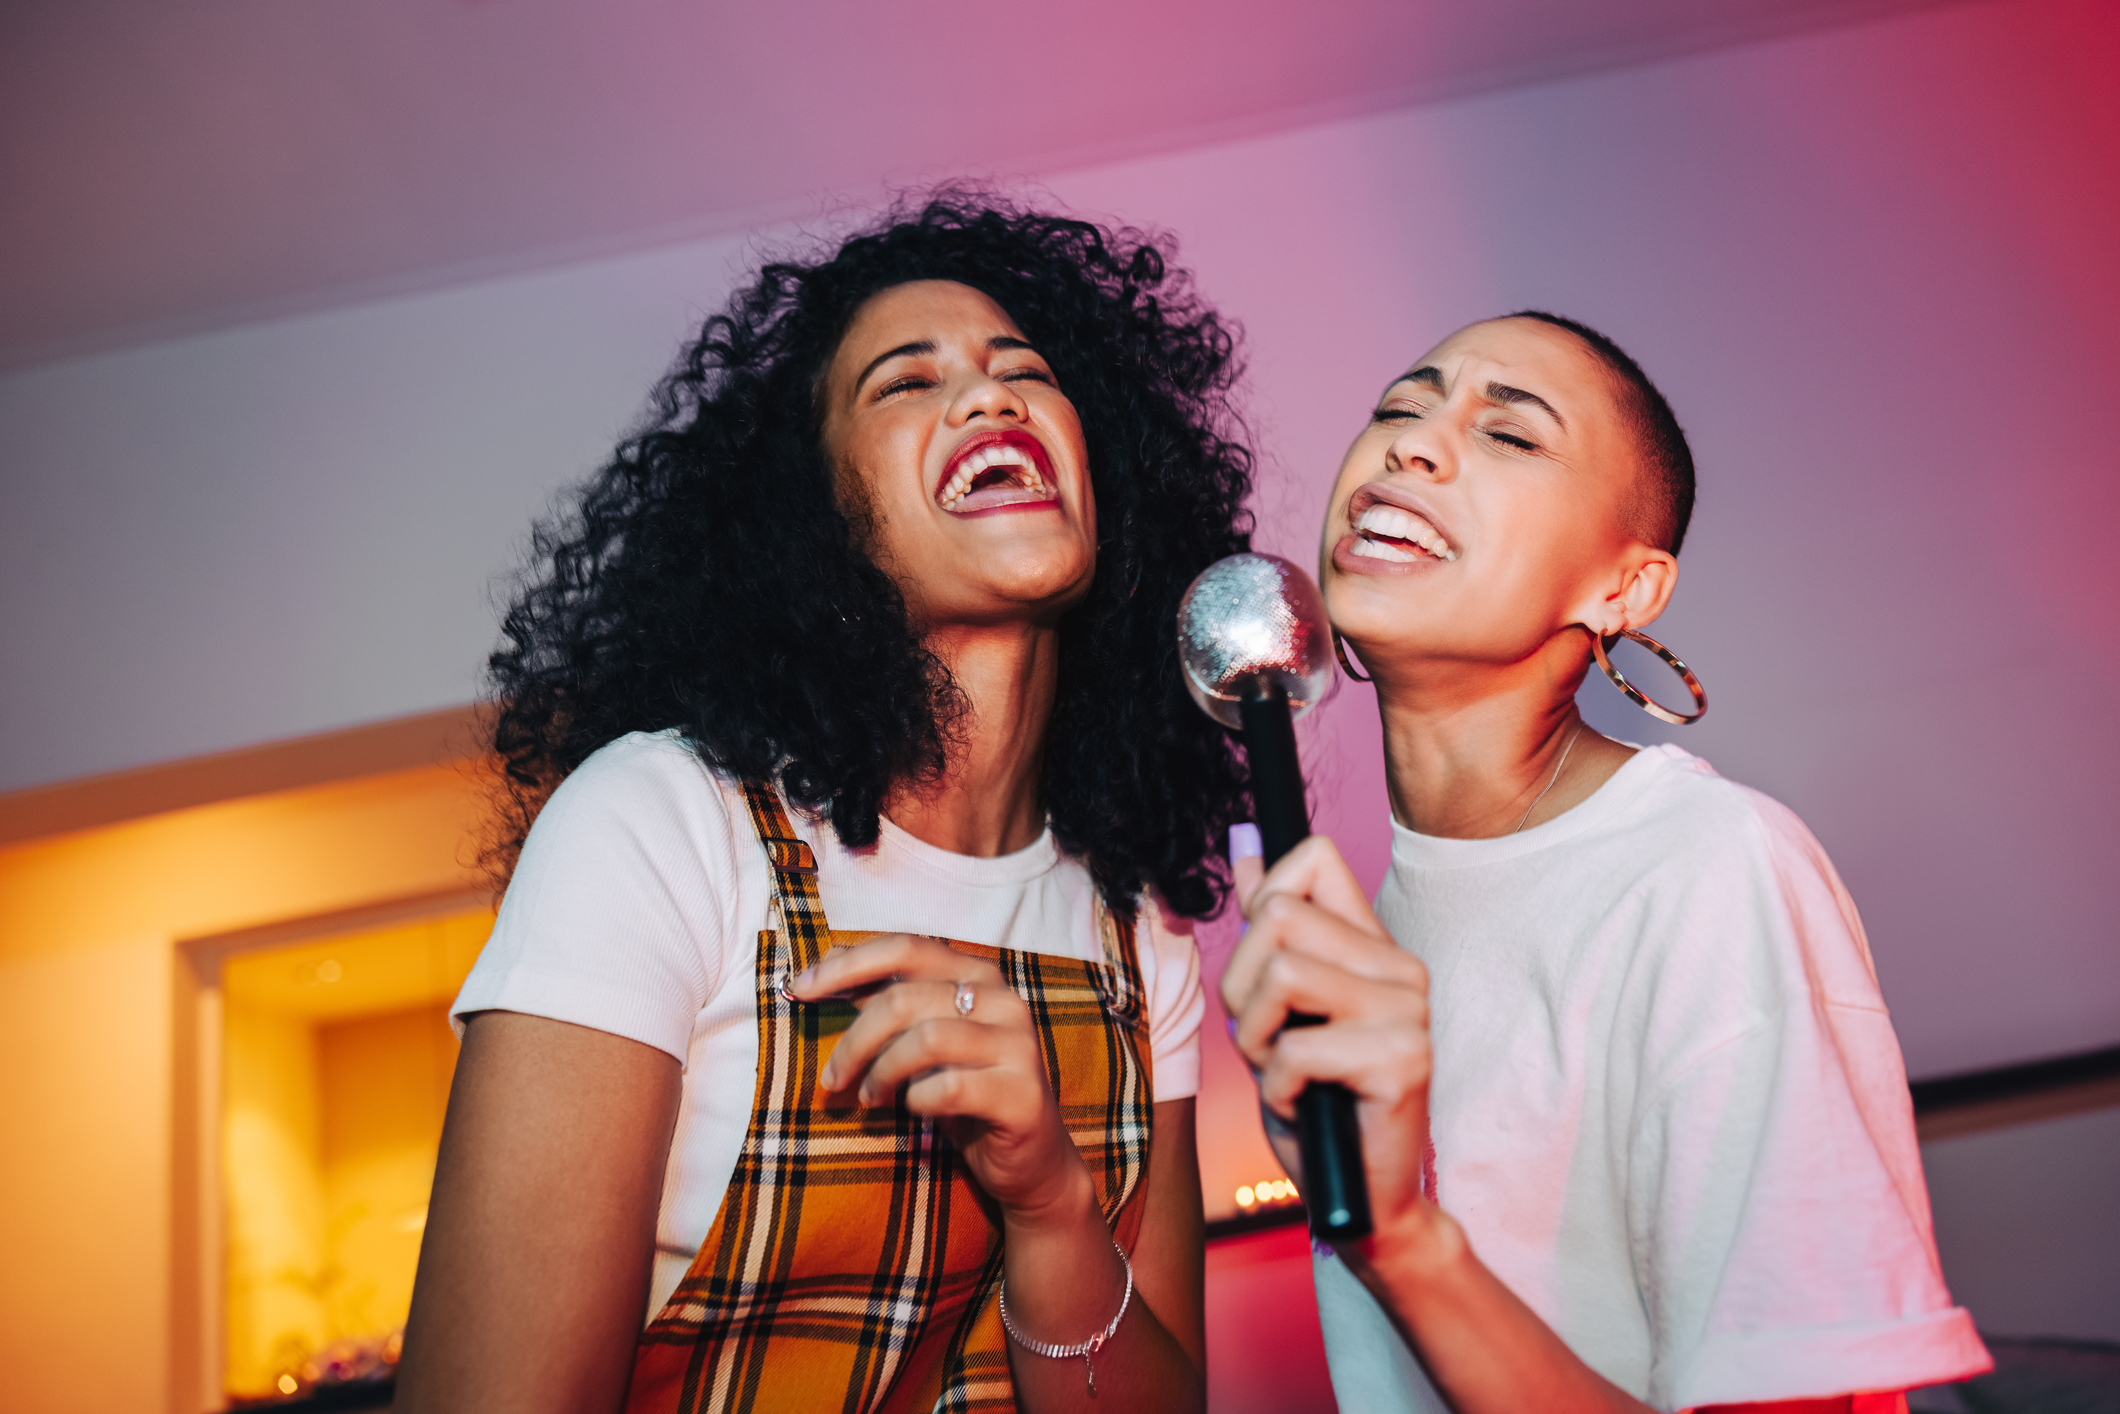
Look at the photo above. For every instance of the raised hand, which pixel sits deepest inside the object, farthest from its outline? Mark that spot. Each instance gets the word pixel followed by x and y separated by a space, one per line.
pixel 977 1068
pixel 1315 946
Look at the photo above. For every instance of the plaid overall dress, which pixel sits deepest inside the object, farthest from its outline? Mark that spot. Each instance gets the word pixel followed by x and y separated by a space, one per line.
pixel 853 1265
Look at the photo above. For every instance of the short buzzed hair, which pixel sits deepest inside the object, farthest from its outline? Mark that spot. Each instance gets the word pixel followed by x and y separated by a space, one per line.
pixel 1665 501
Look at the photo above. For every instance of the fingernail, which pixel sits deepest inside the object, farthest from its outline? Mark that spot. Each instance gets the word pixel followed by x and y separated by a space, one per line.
pixel 805 977
pixel 1244 842
pixel 1230 1024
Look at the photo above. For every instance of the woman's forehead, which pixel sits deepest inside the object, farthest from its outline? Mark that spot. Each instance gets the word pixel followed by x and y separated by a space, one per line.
pixel 1524 353
pixel 930 306
pixel 915 318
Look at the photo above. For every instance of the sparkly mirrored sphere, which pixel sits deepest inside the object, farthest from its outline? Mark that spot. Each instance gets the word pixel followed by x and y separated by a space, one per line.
pixel 1251 615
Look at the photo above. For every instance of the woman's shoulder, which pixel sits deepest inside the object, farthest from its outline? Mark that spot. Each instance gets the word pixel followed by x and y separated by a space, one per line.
pixel 1726 847
pixel 642 774
pixel 637 759
pixel 644 802
pixel 1702 815
pixel 633 902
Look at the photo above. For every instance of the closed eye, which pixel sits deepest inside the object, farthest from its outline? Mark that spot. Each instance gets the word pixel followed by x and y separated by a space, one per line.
pixel 911 382
pixel 1035 375
pixel 1509 439
pixel 1391 414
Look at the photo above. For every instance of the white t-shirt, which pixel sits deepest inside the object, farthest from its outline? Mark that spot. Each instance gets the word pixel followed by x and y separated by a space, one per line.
pixel 636 906
pixel 1668 1107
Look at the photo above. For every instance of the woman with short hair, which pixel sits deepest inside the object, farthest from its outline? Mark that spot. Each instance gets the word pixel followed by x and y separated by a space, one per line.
pixel 1635 1124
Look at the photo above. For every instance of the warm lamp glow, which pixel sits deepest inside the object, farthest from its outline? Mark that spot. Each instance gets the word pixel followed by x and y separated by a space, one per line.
pixel 337 1062
pixel 1272 1190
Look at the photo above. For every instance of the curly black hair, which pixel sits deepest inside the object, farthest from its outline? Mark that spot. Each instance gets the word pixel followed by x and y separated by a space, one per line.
pixel 708 578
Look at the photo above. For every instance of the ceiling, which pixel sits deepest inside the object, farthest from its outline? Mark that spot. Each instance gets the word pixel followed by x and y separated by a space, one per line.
pixel 172 166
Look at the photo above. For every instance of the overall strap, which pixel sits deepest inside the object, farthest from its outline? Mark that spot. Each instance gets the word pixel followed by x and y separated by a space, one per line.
pixel 805 932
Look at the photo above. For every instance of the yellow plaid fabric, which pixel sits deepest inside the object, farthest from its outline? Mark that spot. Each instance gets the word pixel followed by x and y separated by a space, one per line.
pixel 854 1265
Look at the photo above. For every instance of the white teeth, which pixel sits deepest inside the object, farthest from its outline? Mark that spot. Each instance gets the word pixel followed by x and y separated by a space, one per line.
pixel 955 489
pixel 1379 550
pixel 1400 525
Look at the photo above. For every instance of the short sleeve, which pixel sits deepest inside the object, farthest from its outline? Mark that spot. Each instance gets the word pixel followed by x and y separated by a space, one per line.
pixel 1779 1226
pixel 623 907
pixel 1170 972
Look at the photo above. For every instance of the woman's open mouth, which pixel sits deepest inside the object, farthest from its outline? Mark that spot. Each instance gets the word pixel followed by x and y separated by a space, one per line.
pixel 1388 533
pixel 996 469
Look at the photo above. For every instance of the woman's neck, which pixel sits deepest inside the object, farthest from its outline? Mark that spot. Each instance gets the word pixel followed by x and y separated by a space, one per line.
pixel 1474 752
pixel 985 803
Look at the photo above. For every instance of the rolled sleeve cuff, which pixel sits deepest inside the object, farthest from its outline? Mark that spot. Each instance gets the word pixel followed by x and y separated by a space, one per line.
pixel 1177 1075
pixel 1816 1362
pixel 581 1001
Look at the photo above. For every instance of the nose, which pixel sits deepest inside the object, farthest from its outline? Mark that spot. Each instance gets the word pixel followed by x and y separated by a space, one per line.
pixel 1418 451
pixel 987 396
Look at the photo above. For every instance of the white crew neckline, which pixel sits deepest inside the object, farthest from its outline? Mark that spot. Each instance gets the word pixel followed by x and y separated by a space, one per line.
pixel 1001 871
pixel 1412 849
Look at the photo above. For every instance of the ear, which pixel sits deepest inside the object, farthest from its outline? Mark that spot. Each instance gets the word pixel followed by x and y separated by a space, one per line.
pixel 1635 596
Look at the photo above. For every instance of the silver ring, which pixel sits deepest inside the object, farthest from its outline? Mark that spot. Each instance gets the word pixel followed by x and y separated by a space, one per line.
pixel 781 986
pixel 965 999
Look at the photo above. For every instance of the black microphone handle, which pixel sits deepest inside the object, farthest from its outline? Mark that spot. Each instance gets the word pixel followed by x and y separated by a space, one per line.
pixel 1327 1131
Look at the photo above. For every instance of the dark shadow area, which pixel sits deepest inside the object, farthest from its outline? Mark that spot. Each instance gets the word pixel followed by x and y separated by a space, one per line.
pixel 2034 1377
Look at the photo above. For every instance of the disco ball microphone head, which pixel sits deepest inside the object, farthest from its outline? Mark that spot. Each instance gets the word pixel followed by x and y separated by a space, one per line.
pixel 1250 623
pixel 1257 650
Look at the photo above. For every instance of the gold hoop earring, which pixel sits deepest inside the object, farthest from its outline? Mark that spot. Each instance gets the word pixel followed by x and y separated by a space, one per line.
pixel 1339 651
pixel 1599 644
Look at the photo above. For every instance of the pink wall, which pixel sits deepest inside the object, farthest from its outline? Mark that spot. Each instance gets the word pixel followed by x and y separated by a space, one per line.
pixel 1874 271
pixel 1872 267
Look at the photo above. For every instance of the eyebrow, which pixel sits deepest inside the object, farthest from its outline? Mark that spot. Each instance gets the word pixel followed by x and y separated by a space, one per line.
pixel 1517 397
pixel 1426 375
pixel 1429 376
pixel 913 350
pixel 921 347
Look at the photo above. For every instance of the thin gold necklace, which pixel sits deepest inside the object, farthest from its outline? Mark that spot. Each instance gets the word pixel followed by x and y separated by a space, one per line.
pixel 1565 749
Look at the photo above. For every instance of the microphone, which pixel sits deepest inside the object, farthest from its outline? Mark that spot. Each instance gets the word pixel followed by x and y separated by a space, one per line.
pixel 1257 652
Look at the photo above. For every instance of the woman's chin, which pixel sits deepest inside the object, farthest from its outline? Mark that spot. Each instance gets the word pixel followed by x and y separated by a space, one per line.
pixel 1378 617
pixel 1028 588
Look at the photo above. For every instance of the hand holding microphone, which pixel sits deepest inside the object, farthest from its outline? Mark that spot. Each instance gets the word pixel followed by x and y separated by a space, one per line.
pixel 1314 946
pixel 1257 651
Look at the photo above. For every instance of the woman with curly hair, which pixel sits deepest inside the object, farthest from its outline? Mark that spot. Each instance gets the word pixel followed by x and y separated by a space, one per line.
pixel 841 1010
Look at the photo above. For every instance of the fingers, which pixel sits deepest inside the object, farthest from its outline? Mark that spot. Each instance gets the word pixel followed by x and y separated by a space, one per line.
pixel 1315 871
pixel 881 961
pixel 1246 870
pixel 1298 982
pixel 1246 866
pixel 1385 1065
pixel 960 1068
pixel 1388 1068
pixel 995 1095
pixel 1283 925
pixel 888 1015
pixel 1286 923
